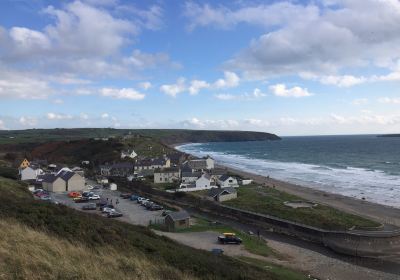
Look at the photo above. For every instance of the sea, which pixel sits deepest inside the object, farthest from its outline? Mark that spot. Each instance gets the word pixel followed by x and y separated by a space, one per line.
pixel 359 166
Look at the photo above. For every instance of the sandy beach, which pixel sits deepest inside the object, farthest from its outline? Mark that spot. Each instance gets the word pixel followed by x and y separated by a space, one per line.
pixel 381 213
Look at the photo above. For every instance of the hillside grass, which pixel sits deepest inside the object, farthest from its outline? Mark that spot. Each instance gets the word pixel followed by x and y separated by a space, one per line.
pixel 73 238
pixel 269 201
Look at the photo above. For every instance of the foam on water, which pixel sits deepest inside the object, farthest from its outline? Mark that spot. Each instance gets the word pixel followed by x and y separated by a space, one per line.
pixel 374 185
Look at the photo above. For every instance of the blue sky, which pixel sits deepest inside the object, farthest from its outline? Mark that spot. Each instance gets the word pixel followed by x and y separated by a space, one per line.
pixel 287 67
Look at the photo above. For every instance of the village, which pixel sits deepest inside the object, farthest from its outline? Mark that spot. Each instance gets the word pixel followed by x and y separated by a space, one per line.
pixel 175 172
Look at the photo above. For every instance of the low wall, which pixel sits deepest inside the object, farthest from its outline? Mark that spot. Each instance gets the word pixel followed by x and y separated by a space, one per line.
pixel 378 243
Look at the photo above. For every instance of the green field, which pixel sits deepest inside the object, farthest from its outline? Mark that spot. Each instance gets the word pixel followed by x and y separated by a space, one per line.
pixel 270 201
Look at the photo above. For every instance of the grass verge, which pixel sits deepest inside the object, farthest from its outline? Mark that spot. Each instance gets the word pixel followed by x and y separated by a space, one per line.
pixel 270 201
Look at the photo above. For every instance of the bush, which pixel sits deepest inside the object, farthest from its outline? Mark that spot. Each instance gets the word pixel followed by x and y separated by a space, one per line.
pixel 8 172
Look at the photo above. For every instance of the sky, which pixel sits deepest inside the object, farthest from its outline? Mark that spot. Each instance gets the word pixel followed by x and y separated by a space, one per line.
pixel 316 67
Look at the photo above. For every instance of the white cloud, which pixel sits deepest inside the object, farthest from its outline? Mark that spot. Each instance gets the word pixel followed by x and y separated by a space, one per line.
pixel 105 116
pixel 28 121
pixel 388 100
pixel 145 85
pixel 256 94
pixel 84 116
pixel 174 89
pixel 22 85
pixel 282 91
pixel 210 124
pixel 347 35
pixel 58 101
pixel 2 125
pixel 360 101
pixel 124 93
pixel 196 86
pixel 77 42
pixel 55 116
pixel 230 80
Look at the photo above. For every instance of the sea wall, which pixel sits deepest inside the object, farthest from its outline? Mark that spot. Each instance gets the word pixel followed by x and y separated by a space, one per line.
pixel 378 243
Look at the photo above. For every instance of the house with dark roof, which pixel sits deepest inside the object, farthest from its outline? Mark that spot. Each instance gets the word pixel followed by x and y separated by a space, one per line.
pixel 222 194
pixel 63 181
pixel 120 169
pixel 190 177
pixel 150 164
pixel 177 220
pixel 202 164
pixel 226 181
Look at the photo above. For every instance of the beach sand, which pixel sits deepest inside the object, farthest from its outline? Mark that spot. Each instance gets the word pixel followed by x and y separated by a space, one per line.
pixel 378 212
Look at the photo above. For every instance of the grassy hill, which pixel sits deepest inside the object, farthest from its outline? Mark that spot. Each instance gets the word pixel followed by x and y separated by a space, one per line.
pixel 168 136
pixel 39 240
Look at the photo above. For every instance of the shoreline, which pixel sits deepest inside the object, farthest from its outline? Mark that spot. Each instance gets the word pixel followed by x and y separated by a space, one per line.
pixel 379 212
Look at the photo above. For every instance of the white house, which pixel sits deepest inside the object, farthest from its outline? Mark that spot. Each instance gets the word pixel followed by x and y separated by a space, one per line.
pixel 129 154
pixel 204 182
pixel 30 173
pixel 227 181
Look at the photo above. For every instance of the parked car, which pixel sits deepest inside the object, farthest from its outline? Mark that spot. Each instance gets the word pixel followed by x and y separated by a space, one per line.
pixel 41 194
pixel 74 194
pixel 107 210
pixel 229 238
pixel 217 251
pixel 90 206
pixel 94 197
pixel 97 187
pixel 114 214
pixel 143 200
pixel 102 203
pixel 81 200
pixel 134 197
pixel 125 195
pixel 106 206
pixel 45 197
pixel 38 191
pixel 147 204
pixel 89 187
pixel 155 207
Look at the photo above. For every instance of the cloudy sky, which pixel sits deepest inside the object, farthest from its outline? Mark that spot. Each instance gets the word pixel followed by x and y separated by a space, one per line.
pixel 287 67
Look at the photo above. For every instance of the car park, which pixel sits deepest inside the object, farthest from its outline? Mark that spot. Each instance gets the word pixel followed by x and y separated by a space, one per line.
pixel 89 187
pixel 45 197
pixel 229 238
pixel 89 206
pixel 97 187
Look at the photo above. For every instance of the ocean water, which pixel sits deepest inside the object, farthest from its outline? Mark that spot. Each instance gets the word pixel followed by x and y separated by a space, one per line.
pixel 356 166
